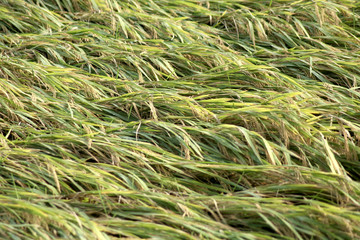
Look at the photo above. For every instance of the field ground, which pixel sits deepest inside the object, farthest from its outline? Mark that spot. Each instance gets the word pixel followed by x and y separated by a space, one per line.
pixel 179 119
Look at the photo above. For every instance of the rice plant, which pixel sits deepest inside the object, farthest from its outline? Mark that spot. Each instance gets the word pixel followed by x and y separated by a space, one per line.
pixel 184 119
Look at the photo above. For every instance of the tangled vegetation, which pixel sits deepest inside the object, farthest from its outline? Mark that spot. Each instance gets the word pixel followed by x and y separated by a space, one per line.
pixel 179 119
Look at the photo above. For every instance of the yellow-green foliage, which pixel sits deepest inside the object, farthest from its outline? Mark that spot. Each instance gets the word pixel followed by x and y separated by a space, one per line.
pixel 179 119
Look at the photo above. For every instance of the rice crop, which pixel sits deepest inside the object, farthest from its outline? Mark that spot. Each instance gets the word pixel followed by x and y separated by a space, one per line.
pixel 179 119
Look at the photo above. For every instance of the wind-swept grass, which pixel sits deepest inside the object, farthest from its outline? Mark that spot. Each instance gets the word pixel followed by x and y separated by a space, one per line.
pixel 182 119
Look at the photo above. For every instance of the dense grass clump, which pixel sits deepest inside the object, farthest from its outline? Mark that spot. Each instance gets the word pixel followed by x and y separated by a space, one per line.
pixel 181 119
